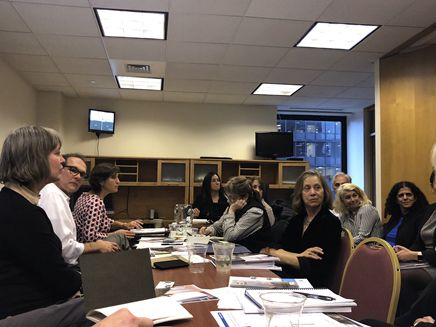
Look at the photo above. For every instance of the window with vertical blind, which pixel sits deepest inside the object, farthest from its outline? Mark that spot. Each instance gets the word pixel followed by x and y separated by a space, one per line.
pixel 320 140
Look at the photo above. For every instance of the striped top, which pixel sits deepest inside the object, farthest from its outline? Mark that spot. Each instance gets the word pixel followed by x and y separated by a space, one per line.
pixel 362 224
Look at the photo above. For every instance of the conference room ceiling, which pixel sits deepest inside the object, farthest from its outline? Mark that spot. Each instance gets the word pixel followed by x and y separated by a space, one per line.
pixel 217 51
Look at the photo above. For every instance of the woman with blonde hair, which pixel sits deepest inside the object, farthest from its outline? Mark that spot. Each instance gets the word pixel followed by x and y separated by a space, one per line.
pixel 356 213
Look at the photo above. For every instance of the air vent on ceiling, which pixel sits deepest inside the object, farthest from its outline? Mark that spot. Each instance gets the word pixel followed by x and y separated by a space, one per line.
pixel 146 69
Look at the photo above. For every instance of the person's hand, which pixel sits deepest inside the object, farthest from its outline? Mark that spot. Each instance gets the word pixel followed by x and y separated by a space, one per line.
pixel 195 212
pixel 125 232
pixel 134 224
pixel 265 251
pixel 238 204
pixel 204 231
pixel 424 319
pixel 124 318
pixel 312 253
pixel 404 254
pixel 105 246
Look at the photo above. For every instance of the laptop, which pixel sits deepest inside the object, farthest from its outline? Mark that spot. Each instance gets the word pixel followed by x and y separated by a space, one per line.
pixel 116 278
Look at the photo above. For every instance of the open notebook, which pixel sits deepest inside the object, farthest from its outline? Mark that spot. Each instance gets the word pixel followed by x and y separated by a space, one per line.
pixel 114 278
pixel 160 309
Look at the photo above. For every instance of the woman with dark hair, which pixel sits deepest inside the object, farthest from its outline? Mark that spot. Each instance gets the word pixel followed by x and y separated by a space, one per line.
pixel 244 221
pixel 211 203
pixel 33 273
pixel 310 243
pixel 262 188
pixel 90 213
pixel 404 205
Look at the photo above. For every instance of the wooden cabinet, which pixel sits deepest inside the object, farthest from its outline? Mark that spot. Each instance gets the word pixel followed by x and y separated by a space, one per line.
pixel 159 184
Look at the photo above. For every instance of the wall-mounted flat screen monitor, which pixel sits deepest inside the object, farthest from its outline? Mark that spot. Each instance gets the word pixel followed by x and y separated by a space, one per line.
pixel 274 144
pixel 101 121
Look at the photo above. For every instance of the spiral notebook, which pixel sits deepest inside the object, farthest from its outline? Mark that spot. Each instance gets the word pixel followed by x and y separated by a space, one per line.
pixel 253 302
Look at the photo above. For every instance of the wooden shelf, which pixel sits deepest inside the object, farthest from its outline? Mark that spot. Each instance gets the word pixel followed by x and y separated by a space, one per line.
pixel 159 183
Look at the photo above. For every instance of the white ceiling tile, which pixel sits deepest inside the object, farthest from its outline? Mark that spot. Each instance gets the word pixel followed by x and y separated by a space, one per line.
pixel 83 66
pixel 334 78
pixel 363 12
pixel 265 99
pixel 315 91
pixel 190 71
pixel 98 93
pixel 202 28
pixel 72 46
pixel 145 5
pixel 222 7
pixel 74 3
pixel 421 14
pixel 202 53
pixel 369 82
pixel 141 95
pixel 292 76
pixel 357 62
pixel 66 20
pixel 288 9
pixel 273 32
pixel 135 49
pixel 241 74
pixel 358 93
pixel 91 81
pixel 184 97
pixel 16 42
pixel 305 102
pixel 305 58
pixel 227 87
pixel 248 55
pixel 65 90
pixel 31 63
pixel 183 85
pixel 38 78
pixel 225 98
pixel 386 38
pixel 9 19
pixel 350 104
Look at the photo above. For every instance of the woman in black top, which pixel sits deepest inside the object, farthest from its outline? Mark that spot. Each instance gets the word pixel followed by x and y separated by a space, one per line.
pixel 211 202
pixel 405 204
pixel 311 242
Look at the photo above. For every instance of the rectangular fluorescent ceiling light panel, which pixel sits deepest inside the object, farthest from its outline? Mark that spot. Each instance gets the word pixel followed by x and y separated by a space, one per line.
pixel 140 83
pixel 335 35
pixel 133 24
pixel 277 89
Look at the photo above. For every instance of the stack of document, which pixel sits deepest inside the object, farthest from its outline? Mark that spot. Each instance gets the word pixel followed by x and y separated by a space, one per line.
pixel 268 282
pixel 254 261
pixel 149 231
pixel 318 300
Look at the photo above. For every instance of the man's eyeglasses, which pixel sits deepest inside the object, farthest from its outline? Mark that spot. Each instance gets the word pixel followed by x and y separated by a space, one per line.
pixel 74 171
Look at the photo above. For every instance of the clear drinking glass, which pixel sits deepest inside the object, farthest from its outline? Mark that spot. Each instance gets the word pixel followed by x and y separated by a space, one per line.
pixel 282 309
pixel 197 257
pixel 223 252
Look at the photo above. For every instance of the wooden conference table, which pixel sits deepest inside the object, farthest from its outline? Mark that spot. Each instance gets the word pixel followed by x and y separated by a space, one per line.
pixel 209 279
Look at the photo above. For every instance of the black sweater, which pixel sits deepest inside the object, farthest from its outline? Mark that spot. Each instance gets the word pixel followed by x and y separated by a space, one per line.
pixel 33 273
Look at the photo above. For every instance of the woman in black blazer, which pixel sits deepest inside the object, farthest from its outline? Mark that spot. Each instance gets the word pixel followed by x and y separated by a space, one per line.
pixel 404 205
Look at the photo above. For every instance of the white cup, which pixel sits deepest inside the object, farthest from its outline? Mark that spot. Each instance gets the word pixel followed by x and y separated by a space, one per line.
pixel 197 257
pixel 223 252
pixel 282 309
pixel 151 215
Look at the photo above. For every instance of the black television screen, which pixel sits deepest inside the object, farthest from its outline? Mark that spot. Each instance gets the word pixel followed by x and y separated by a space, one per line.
pixel 274 144
pixel 101 121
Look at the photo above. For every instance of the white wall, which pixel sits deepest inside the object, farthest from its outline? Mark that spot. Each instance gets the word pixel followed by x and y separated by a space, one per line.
pixel 17 101
pixel 355 146
pixel 177 130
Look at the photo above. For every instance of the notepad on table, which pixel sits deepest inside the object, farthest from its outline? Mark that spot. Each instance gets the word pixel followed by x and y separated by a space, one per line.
pixel 159 309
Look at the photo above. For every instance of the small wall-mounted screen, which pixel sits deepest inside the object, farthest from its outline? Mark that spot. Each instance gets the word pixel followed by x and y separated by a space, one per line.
pixel 100 121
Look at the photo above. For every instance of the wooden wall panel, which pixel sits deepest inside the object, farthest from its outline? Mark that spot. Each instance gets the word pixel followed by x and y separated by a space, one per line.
pixel 407 118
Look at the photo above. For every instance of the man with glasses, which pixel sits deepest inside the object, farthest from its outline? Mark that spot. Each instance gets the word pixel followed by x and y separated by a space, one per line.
pixel 55 199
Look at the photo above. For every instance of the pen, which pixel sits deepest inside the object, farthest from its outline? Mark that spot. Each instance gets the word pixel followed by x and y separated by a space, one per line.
pixel 316 296
pixel 223 319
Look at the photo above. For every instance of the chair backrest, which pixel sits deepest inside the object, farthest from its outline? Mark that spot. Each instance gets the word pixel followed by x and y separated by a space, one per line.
pixel 115 278
pixel 347 246
pixel 372 277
